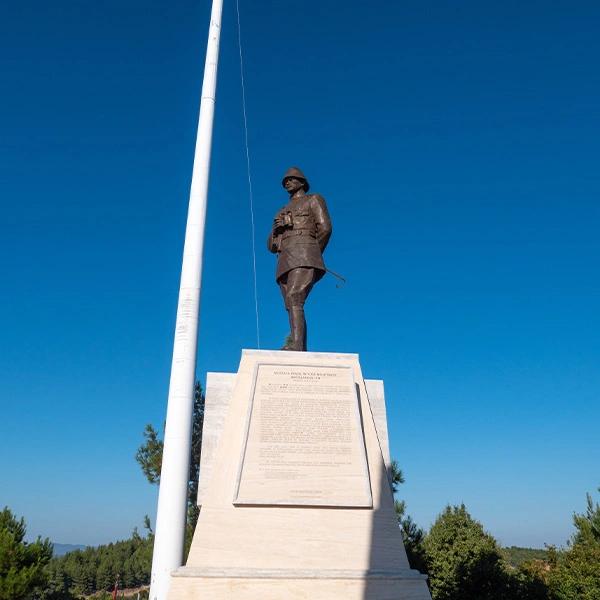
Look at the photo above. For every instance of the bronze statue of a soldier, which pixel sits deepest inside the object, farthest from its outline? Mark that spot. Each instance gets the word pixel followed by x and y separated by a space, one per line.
pixel 299 235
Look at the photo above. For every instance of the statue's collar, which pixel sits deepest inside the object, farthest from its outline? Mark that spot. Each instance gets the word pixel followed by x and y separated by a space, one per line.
pixel 295 198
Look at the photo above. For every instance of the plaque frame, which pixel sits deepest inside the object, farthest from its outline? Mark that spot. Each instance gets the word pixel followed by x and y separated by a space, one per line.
pixel 358 416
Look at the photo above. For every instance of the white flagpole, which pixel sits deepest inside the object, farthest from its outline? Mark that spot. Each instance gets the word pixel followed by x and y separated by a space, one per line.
pixel 172 496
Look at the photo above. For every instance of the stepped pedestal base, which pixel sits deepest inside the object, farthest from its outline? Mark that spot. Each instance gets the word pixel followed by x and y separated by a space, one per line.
pixel 193 584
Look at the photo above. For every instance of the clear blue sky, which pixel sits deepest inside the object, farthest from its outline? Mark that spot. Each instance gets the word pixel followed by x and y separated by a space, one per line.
pixel 457 144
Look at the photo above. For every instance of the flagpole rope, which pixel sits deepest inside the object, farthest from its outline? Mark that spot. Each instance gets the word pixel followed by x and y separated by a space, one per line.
pixel 251 197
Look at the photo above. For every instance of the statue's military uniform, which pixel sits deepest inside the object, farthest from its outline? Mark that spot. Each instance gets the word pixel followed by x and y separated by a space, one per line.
pixel 299 242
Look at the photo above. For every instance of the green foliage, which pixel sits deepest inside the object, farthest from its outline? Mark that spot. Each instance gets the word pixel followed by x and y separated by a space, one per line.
pixel 529 581
pixel 412 535
pixel 22 574
pixel 465 562
pixel 576 572
pixel 516 556
pixel 197 423
pixel 85 572
pixel 149 454
pixel 396 476
pixel 149 457
pixel 588 524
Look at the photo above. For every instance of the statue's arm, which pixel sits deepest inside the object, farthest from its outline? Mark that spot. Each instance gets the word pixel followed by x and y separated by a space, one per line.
pixel 273 240
pixel 270 244
pixel 322 220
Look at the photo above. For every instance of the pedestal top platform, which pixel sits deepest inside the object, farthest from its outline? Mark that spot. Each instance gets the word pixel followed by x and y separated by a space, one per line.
pixel 297 355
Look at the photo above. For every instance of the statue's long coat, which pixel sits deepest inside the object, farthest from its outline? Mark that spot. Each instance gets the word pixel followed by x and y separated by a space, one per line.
pixel 304 243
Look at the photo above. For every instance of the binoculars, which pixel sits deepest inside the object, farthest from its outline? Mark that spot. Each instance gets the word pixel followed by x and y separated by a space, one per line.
pixel 285 219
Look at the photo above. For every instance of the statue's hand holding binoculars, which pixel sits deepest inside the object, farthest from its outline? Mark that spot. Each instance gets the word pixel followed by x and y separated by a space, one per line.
pixel 282 221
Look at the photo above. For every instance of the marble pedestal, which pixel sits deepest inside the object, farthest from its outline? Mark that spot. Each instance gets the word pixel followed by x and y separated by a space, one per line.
pixel 294 490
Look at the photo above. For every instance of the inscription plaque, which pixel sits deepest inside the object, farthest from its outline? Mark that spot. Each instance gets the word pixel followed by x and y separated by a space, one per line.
pixel 304 440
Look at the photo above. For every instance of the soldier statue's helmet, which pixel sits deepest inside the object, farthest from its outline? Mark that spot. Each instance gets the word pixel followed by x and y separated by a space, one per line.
pixel 298 174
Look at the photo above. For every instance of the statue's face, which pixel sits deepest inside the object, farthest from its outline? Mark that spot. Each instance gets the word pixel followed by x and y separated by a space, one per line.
pixel 293 184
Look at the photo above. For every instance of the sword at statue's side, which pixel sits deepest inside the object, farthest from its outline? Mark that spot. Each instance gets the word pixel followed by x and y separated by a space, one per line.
pixel 172 495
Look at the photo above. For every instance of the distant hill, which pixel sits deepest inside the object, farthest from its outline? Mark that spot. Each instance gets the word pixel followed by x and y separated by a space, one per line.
pixel 516 556
pixel 62 549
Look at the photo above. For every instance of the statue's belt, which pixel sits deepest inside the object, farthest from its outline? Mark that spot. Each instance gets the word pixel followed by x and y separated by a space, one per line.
pixel 299 231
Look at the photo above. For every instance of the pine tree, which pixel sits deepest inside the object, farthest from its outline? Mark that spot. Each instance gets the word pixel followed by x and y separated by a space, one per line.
pixel 149 457
pixel 464 561
pixel 412 534
pixel 588 524
pixel 22 574
pixel 577 571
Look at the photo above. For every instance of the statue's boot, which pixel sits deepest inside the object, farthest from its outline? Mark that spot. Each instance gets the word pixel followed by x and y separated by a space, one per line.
pixel 304 337
pixel 288 340
pixel 297 338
